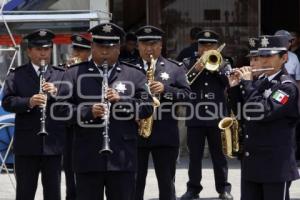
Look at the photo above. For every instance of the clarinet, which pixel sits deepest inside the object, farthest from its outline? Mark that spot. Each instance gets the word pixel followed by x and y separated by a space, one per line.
pixel 43 130
pixel 105 144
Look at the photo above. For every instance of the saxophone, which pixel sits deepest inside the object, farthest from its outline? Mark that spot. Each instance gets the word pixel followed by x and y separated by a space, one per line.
pixel 230 136
pixel 145 125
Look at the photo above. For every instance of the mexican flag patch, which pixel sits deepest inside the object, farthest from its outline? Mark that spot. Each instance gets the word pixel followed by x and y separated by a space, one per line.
pixel 280 97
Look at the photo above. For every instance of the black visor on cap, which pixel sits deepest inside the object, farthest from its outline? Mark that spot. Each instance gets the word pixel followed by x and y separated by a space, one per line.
pixel 106 42
pixel 266 53
pixel 253 53
pixel 39 43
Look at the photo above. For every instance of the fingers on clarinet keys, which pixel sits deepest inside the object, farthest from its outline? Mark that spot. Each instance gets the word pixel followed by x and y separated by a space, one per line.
pixel 99 110
pixel 49 88
pixel 38 100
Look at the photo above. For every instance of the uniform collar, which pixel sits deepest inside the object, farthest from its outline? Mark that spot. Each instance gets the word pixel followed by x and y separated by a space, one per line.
pixel 36 68
pixel 145 63
pixel 270 78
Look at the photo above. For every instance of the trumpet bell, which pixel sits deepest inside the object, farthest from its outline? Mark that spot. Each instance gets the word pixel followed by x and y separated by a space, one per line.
pixel 213 60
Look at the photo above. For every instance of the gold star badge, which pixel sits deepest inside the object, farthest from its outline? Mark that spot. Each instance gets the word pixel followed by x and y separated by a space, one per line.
pixel 107 28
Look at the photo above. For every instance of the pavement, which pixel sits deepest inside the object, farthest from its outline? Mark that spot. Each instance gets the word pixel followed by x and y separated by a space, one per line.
pixel 7 191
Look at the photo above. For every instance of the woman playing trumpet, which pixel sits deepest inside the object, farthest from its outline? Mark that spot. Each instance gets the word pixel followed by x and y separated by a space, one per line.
pixel 268 162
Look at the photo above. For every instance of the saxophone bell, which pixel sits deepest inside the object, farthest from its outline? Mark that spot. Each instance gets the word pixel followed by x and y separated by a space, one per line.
pixel 229 127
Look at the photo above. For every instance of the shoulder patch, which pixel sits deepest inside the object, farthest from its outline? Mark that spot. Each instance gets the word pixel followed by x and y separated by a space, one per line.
pixel 280 96
pixel 131 65
pixel 175 62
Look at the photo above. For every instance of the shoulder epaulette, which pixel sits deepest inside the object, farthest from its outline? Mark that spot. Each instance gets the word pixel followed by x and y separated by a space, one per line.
pixel 286 79
pixel 59 68
pixel 16 68
pixel 175 62
pixel 80 63
pixel 131 65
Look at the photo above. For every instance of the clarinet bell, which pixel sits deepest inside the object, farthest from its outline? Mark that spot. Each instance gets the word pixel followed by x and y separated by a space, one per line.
pixel 43 132
pixel 105 146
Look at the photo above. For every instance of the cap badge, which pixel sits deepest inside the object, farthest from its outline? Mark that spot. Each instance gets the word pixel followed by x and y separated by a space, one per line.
pixel 252 42
pixel 207 34
pixel 264 42
pixel 42 33
pixel 147 30
pixel 79 39
pixel 107 28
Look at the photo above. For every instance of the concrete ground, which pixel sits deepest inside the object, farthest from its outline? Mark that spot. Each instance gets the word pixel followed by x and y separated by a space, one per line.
pixel 7 192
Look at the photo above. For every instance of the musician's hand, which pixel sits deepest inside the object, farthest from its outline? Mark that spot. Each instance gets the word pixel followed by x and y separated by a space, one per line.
pixel 157 87
pixel 112 95
pixel 49 88
pixel 233 78
pixel 38 100
pixel 199 66
pixel 245 73
pixel 99 110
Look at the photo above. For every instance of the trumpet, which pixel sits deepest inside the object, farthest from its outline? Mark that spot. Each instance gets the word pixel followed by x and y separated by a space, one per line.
pixel 211 60
pixel 145 125
pixel 105 144
pixel 42 70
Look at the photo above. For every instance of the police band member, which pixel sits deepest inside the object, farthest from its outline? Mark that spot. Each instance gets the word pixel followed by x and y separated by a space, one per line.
pixel 169 86
pixel 129 52
pixel 235 91
pixel 268 164
pixel 35 153
pixel 81 51
pixel 209 88
pixel 128 97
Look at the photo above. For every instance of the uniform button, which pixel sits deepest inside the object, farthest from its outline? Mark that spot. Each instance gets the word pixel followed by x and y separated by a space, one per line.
pixel 247 154
pixel 86 122
pixel 246 136
pixel 243 91
pixel 205 95
pixel 28 110
pixel 206 73
pixel 206 107
pixel 248 118
pixel 121 107
pixel 124 109
pixel 91 120
pixel 206 84
pixel 194 74
pixel 241 86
